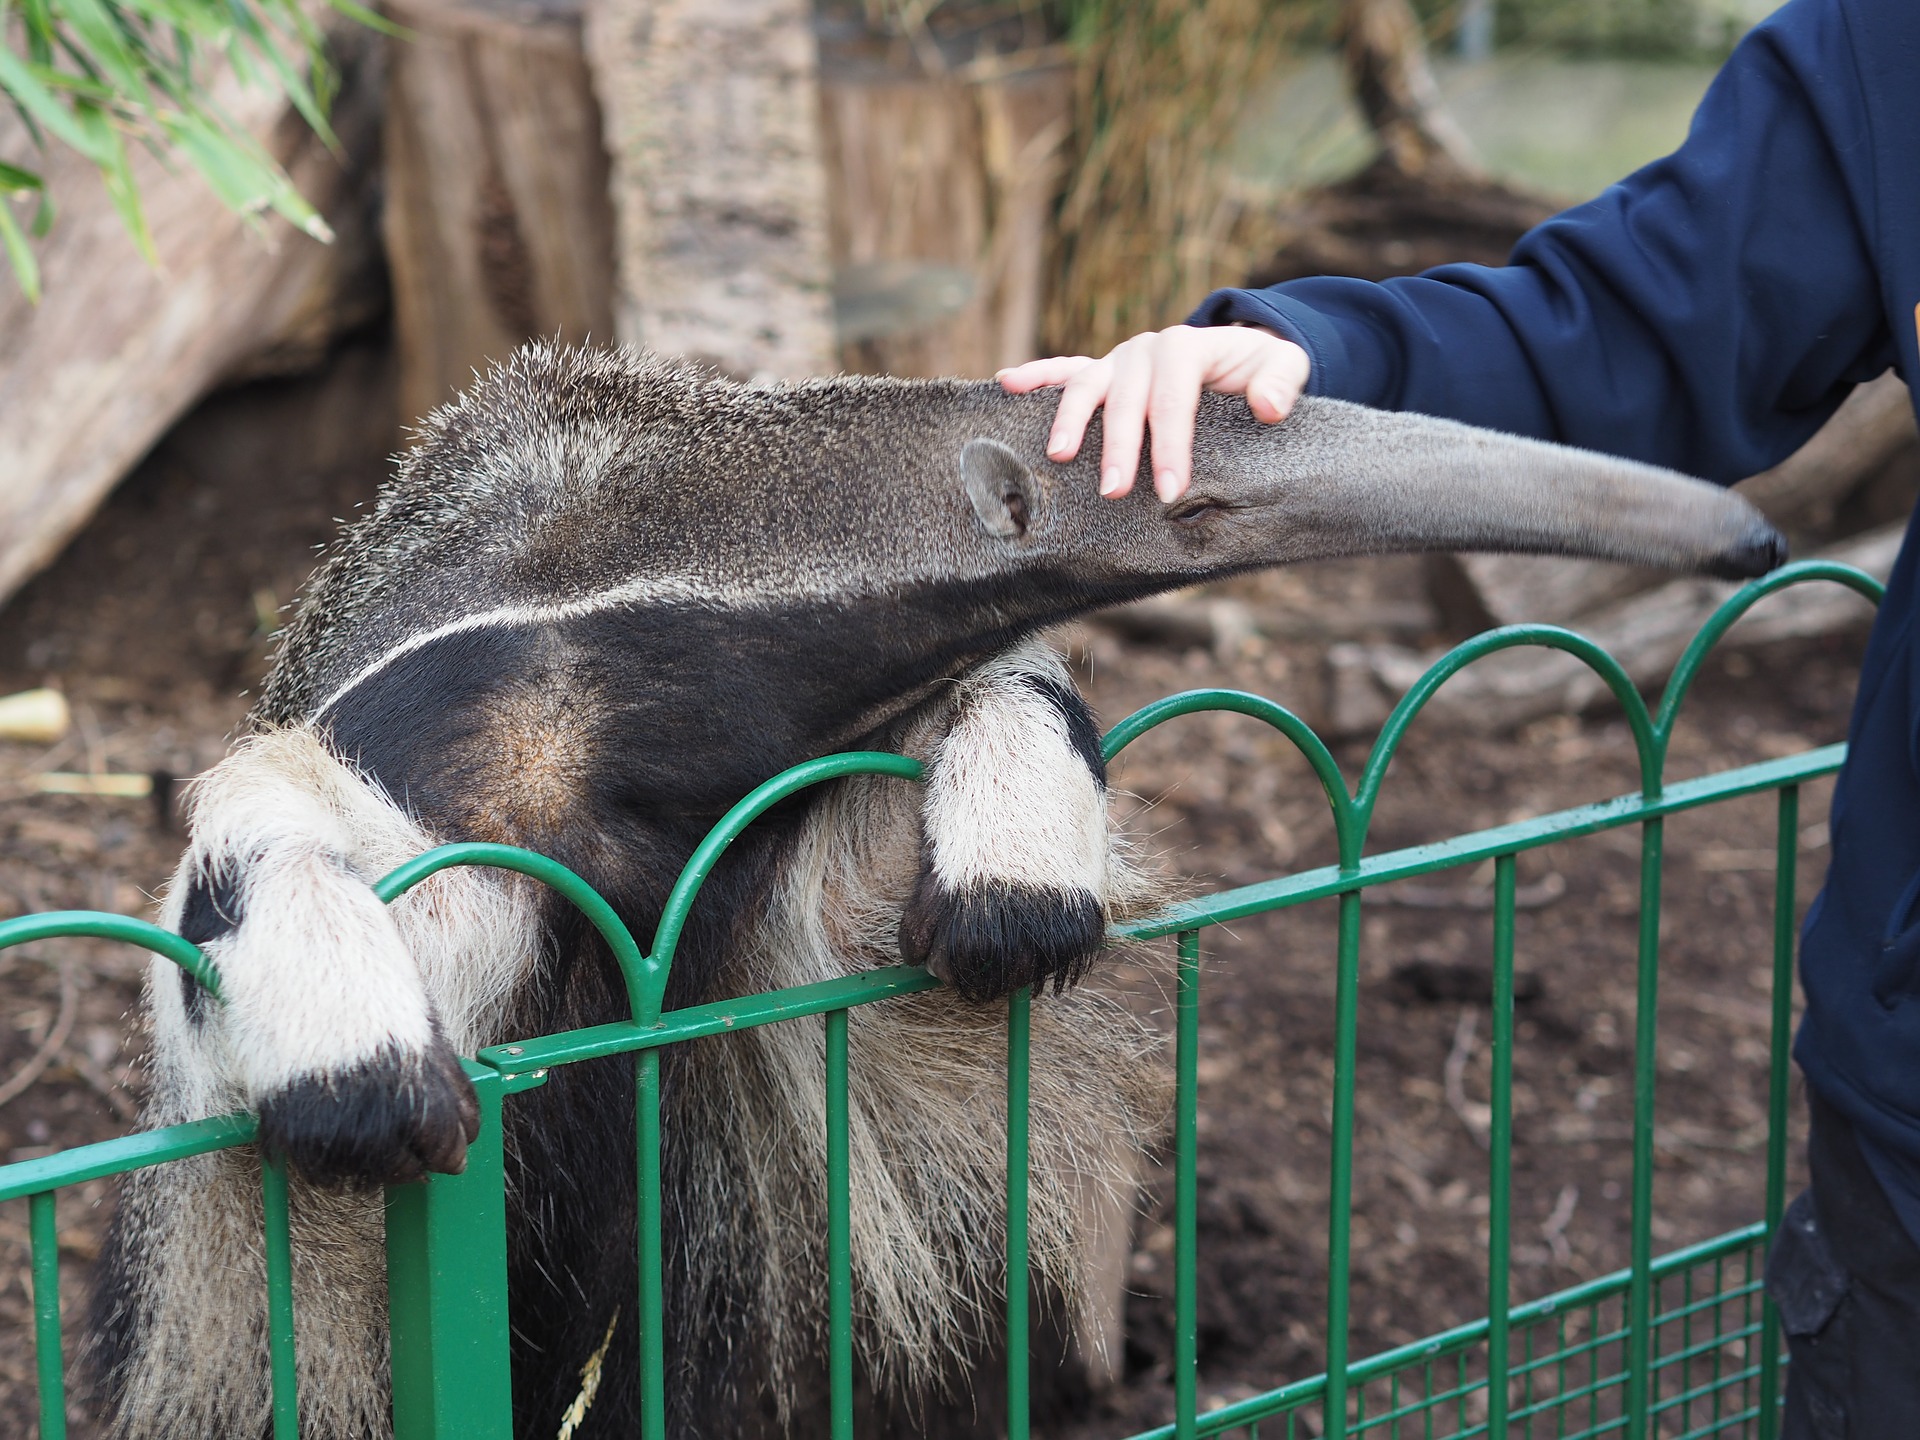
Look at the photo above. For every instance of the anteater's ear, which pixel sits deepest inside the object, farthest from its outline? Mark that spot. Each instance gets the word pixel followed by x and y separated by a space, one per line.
pixel 1004 492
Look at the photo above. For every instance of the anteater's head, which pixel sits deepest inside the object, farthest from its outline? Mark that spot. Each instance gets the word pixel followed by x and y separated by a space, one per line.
pixel 1338 479
pixel 845 543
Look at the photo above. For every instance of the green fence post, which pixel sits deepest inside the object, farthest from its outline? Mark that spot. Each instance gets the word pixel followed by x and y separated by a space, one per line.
pixel 45 1240
pixel 653 1303
pixel 447 1292
pixel 1640 1347
pixel 1346 1020
pixel 1500 1162
pixel 839 1234
pixel 1787 839
pixel 277 1232
pixel 1186 1191
pixel 1019 1341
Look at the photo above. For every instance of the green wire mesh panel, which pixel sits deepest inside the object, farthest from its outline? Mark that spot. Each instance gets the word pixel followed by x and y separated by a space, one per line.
pixel 1674 1346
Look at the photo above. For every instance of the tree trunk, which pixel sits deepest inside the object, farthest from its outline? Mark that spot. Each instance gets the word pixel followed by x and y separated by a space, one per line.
pixel 713 123
pixel 1386 60
pixel 118 350
pixel 498 226
pixel 943 189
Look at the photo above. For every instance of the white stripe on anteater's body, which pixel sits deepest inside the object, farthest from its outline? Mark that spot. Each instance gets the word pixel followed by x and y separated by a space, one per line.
pixel 605 598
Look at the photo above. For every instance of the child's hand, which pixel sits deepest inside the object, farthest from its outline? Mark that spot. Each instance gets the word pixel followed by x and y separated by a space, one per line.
pixel 1155 380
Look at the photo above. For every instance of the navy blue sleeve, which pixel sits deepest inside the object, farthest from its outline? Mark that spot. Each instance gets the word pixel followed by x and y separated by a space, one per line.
pixel 1707 313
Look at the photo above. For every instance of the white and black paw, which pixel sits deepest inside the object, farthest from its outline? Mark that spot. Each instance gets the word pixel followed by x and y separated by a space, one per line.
pixel 387 1120
pixel 991 936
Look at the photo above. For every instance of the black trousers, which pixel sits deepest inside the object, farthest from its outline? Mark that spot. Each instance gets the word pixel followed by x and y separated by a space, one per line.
pixel 1845 1276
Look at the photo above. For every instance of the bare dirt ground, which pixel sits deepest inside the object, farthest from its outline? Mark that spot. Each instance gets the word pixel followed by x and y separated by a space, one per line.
pixel 157 619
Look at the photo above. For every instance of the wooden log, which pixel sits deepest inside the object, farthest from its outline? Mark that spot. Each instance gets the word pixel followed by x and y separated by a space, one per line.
pixel 1870 431
pixel 498 225
pixel 118 350
pixel 942 192
pixel 712 115
pixel 1646 633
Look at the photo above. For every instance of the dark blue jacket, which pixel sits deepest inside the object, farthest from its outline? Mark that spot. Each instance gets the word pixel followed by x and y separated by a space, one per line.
pixel 1708 313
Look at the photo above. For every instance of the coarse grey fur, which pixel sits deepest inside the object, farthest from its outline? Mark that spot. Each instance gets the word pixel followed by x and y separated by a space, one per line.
pixel 605 596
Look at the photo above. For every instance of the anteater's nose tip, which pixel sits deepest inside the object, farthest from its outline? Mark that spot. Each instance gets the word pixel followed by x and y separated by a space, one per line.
pixel 1764 549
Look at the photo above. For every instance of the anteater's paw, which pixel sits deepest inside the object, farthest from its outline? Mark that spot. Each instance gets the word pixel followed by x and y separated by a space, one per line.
pixel 385 1121
pixel 991 937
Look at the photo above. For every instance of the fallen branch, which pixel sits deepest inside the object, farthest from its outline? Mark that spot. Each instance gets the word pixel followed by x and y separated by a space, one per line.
pixel 1645 633
pixel 18 1083
pixel 1476 1117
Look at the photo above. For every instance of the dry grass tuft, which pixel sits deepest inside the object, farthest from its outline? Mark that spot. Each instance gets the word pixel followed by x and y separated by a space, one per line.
pixel 1149 223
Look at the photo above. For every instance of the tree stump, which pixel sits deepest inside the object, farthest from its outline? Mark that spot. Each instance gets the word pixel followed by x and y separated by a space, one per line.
pixel 943 189
pixel 713 124
pixel 498 226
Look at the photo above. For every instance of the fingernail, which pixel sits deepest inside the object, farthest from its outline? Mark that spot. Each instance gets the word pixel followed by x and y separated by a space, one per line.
pixel 1109 480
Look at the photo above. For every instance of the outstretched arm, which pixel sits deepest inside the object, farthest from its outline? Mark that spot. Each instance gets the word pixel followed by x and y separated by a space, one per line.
pixel 1707 313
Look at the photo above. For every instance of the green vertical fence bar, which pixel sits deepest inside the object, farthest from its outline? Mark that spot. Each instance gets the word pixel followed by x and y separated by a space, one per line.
pixel 279 1238
pixel 653 1338
pixel 1346 1017
pixel 1019 1061
pixel 1186 1191
pixel 839 1234
pixel 1786 879
pixel 1640 1291
pixel 447 1291
pixel 1500 1139
pixel 44 1237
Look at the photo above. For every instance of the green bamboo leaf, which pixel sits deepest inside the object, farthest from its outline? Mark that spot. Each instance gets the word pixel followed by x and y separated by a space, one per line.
pixel 15 181
pixel 90 21
pixel 25 269
pixel 23 82
pixel 118 175
pixel 355 11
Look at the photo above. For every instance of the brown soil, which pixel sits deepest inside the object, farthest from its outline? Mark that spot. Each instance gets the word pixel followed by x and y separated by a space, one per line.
pixel 157 618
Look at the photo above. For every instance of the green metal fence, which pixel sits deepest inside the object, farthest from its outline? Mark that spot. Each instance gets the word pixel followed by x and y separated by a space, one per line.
pixel 1679 1345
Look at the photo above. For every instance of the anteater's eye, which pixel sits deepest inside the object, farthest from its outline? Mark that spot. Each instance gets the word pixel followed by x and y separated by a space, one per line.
pixel 1197 508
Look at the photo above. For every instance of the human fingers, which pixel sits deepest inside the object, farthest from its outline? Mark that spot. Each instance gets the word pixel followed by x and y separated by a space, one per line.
pixel 1124 425
pixel 1082 395
pixel 1178 371
pixel 1038 374
pixel 1278 379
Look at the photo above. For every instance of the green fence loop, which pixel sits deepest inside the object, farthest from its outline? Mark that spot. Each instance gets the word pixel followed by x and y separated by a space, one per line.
pixel 1242 702
pixel 550 872
pixel 1801 572
pixel 99 925
pixel 1509 637
pixel 666 937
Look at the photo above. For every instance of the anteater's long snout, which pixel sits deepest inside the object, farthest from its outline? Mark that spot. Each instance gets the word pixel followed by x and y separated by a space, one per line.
pixel 1763 550
pixel 1348 480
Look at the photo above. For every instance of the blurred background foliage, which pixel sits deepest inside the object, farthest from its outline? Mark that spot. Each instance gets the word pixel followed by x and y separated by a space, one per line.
pixel 1178 106
pixel 103 75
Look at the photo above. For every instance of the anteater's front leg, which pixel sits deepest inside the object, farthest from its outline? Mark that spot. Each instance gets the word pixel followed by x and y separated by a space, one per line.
pixel 1014 867
pixel 340 1016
